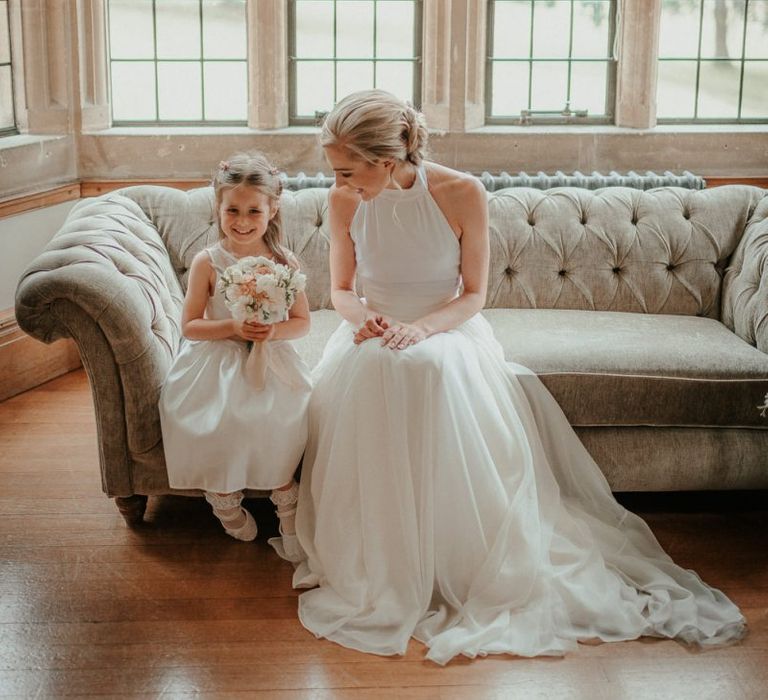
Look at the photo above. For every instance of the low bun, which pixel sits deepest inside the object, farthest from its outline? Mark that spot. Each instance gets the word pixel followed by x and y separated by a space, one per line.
pixel 415 135
pixel 375 125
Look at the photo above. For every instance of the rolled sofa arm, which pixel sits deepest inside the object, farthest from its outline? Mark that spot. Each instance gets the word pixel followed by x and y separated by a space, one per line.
pixel 106 281
pixel 745 284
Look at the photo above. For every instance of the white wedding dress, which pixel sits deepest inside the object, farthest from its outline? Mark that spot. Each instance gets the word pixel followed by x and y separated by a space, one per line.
pixel 445 496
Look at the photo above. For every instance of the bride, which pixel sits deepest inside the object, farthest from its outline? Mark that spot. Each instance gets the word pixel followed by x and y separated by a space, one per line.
pixel 444 495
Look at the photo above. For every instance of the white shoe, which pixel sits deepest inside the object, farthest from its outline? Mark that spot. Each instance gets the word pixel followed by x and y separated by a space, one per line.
pixel 248 530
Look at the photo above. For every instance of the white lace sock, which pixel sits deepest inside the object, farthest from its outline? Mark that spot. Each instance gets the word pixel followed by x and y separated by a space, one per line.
pixel 288 544
pixel 237 521
pixel 285 500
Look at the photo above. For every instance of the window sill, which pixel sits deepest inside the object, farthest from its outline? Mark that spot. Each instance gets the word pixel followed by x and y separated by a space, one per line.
pixel 611 130
pixel 509 129
pixel 21 140
pixel 198 130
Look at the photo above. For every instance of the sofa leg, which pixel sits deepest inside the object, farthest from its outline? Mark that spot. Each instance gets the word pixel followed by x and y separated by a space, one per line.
pixel 132 508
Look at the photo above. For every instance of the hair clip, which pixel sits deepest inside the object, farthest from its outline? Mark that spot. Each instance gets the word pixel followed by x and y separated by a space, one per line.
pixel 274 171
pixel 224 165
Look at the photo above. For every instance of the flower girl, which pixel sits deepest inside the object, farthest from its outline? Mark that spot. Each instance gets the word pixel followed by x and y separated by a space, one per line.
pixel 233 408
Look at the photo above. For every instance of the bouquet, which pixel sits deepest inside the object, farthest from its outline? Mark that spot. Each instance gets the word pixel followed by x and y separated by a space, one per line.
pixel 258 289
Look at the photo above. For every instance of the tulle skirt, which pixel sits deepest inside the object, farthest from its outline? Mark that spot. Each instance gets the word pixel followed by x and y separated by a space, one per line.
pixel 444 496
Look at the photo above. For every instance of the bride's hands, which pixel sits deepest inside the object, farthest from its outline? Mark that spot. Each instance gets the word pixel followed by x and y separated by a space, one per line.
pixel 373 327
pixel 402 335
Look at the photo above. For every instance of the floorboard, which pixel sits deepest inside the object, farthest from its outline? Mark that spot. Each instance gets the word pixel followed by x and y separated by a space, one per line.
pixel 90 608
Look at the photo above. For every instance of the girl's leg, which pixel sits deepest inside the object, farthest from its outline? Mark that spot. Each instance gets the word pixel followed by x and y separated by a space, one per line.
pixel 285 499
pixel 237 521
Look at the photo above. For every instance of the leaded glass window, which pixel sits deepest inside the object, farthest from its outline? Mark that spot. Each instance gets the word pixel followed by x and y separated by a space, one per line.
pixel 550 61
pixel 178 61
pixel 713 61
pixel 340 46
pixel 7 115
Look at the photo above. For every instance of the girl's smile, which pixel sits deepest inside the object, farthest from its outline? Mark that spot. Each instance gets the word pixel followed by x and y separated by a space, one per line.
pixel 244 214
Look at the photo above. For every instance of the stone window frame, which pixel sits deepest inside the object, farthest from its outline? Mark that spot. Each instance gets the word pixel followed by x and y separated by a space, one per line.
pixel 453 64
pixel 64 113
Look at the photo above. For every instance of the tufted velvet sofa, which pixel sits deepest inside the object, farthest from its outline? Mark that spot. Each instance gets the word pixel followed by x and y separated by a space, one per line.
pixel 645 313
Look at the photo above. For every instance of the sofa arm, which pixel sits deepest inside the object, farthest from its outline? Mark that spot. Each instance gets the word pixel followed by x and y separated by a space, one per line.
pixel 105 280
pixel 745 284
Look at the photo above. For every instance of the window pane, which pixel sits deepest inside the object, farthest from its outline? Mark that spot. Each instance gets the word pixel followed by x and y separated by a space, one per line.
pixel 722 29
pixel 131 34
pixel 224 24
pixel 133 91
pixel 591 30
pixel 511 29
pixel 677 89
pixel 5 37
pixel 226 91
pixel 178 29
pixel 314 29
pixel 757 30
pixel 550 85
pixel 179 91
pixel 365 31
pixel 314 87
pixel 6 98
pixel 679 35
pixel 352 76
pixel 588 85
pixel 394 30
pixel 396 77
pixel 510 88
pixel 754 103
pixel 719 89
pixel 551 29
pixel 354 30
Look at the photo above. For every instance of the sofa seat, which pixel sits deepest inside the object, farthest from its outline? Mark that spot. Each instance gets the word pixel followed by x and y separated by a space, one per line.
pixel 637 369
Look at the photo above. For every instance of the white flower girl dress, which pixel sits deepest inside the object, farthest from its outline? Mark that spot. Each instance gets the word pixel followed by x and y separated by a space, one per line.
pixel 445 496
pixel 219 433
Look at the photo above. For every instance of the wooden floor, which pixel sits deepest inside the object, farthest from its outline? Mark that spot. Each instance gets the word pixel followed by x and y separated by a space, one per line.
pixel 176 608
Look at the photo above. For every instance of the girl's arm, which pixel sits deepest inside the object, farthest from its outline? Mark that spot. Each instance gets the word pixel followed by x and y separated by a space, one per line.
pixel 342 205
pixel 200 283
pixel 466 204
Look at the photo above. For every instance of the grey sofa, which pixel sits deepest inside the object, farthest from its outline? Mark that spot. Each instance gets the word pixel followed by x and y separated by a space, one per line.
pixel 645 313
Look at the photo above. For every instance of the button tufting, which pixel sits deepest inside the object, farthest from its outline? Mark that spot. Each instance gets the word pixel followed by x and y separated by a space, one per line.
pixel 670 266
pixel 617 270
pixel 561 273
pixel 318 223
pixel 509 271
pixel 686 214
pixel 583 220
pixel 531 221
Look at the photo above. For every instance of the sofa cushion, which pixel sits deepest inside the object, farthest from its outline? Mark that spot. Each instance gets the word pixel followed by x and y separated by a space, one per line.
pixel 618 368
pixel 633 369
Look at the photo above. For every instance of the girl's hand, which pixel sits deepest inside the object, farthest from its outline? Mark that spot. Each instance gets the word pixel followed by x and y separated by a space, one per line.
pixel 263 331
pixel 373 327
pixel 402 335
pixel 248 330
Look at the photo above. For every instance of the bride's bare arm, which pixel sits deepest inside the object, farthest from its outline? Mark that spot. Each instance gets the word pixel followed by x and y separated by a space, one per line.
pixel 342 205
pixel 465 205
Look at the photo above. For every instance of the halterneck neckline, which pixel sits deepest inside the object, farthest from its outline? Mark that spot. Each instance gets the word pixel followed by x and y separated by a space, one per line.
pixel 417 189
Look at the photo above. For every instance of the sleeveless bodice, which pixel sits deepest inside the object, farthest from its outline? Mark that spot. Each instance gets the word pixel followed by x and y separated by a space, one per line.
pixel 407 255
pixel 216 309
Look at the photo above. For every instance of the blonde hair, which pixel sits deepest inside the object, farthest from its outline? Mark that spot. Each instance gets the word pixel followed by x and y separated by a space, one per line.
pixel 253 169
pixel 375 125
